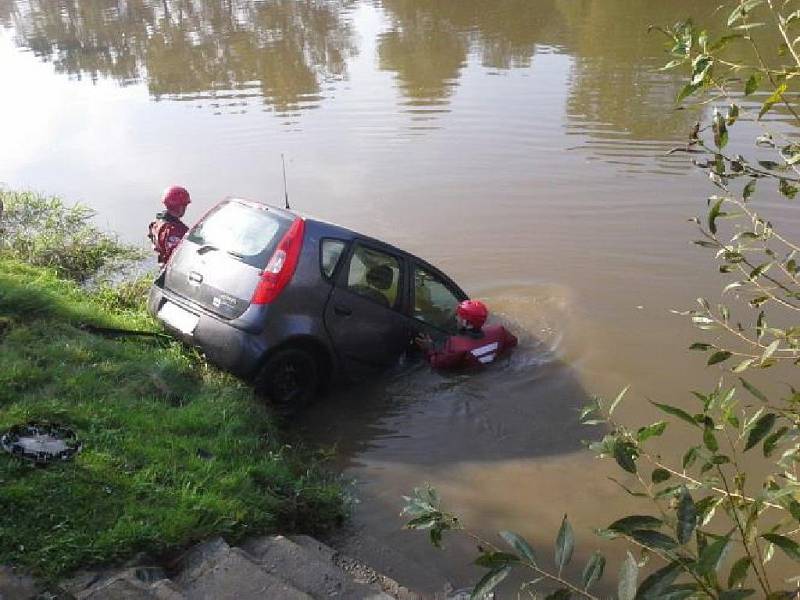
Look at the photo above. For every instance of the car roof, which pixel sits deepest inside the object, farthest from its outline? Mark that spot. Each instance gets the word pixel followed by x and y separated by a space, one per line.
pixel 339 231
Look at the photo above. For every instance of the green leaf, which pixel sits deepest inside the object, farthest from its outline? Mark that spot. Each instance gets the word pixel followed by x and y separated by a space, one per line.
pixel 689 457
pixel 733 114
pixel 787 189
pixel 653 539
pixel 794 508
pixel 489 581
pixel 686 91
pixel 676 412
pixel 687 517
pixel 628 575
pixel 670 490
pixel 654 430
pixel 494 560
pixel 634 522
pixel 422 522
pixel 710 440
pixel 772 441
pixel 789 546
pixel 792 18
pixel 565 544
pixel 742 10
pixel 706 508
pixel 743 366
pixel 776 97
pixel 753 390
pixel 752 84
pixel 748 189
pixel 759 430
pixel 680 592
pixel 712 555
pixel 518 543
pixel 625 454
pixel 593 570
pixel 769 351
pixel 739 571
pixel 700 346
pixel 720 129
pixel 718 357
pixel 656 584
pixel 713 213
pixel 672 64
pixel 660 475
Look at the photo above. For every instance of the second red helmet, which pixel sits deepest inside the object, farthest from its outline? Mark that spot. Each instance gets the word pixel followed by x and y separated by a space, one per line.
pixel 175 197
pixel 473 312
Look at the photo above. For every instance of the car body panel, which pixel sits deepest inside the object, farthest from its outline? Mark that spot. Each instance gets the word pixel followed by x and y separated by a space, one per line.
pixel 240 338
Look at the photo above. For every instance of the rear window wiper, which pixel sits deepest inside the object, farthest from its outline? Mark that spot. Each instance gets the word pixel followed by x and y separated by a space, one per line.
pixel 210 247
pixel 206 248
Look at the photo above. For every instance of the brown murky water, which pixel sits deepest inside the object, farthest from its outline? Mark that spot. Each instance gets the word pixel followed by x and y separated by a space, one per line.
pixel 518 144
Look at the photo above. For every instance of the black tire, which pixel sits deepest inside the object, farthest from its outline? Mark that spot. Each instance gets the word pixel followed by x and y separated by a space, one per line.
pixel 289 378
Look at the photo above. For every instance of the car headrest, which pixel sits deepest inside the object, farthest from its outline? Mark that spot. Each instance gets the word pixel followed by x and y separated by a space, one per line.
pixel 380 277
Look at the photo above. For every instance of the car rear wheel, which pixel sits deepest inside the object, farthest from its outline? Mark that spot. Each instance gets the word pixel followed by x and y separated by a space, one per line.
pixel 289 378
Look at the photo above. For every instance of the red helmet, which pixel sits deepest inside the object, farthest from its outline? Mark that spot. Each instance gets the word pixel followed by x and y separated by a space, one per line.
pixel 474 312
pixel 175 197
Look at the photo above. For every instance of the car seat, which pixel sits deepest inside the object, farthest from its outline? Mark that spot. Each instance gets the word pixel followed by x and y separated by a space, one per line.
pixel 379 279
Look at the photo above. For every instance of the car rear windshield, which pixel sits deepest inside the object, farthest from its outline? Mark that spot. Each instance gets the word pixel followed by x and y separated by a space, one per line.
pixel 247 233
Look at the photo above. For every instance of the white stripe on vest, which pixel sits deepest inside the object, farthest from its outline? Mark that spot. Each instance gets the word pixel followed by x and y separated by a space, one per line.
pixel 486 354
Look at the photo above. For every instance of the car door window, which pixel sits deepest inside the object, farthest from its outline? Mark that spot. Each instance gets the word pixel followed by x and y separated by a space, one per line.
pixel 434 302
pixel 375 275
pixel 330 252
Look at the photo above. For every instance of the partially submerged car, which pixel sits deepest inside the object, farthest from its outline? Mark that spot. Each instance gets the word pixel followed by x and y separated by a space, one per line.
pixel 296 304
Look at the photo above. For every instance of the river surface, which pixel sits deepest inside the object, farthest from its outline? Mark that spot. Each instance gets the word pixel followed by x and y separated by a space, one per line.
pixel 520 145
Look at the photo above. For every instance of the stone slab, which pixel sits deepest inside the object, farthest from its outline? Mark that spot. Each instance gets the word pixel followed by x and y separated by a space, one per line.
pixel 15 586
pixel 228 573
pixel 321 579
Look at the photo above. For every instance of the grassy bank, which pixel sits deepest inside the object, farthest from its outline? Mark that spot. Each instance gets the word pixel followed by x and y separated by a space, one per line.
pixel 174 451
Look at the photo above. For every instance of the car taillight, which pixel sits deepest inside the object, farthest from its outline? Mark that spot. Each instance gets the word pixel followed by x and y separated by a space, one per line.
pixel 281 266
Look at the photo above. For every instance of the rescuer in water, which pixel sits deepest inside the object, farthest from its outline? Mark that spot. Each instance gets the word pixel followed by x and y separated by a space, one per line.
pixel 168 230
pixel 474 345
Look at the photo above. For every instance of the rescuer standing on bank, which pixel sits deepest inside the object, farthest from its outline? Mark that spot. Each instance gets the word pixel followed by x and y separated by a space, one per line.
pixel 168 230
pixel 474 345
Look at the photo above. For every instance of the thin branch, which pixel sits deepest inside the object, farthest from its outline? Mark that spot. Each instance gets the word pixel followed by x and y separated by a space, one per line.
pixel 764 583
pixel 485 543
pixel 683 475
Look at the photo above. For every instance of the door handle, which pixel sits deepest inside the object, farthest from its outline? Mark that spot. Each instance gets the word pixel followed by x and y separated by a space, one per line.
pixel 342 310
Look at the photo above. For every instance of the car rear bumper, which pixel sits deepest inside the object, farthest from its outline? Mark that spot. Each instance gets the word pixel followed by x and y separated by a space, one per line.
pixel 231 348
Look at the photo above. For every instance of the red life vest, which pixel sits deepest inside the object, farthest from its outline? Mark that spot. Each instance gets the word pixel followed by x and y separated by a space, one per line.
pixel 165 233
pixel 470 350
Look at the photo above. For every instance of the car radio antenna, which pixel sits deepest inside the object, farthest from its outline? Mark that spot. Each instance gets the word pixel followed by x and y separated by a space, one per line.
pixel 285 189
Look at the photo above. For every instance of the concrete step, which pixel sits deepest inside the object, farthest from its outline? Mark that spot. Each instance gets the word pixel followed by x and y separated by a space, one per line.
pixel 141 583
pixel 321 579
pixel 358 570
pixel 215 571
pixel 16 586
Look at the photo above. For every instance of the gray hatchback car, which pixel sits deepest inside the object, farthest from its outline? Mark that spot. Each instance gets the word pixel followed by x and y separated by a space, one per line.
pixel 295 304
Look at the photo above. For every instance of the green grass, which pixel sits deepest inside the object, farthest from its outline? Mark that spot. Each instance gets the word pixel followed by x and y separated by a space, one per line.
pixel 174 450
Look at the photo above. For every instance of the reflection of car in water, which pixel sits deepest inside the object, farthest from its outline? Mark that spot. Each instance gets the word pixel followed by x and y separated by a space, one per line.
pixel 295 303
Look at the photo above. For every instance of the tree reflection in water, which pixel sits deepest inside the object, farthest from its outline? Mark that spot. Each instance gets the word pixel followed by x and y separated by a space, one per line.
pixel 238 52
pixel 281 50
